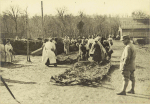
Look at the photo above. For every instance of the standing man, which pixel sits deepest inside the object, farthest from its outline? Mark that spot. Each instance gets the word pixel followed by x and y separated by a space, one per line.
pixel 110 40
pixel 66 44
pixel 82 50
pixel 2 52
pixel 127 65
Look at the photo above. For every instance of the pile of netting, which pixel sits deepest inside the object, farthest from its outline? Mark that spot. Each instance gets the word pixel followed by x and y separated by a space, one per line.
pixel 67 59
pixel 83 72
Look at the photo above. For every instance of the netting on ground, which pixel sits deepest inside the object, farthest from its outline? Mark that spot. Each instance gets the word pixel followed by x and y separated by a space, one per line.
pixel 67 59
pixel 83 72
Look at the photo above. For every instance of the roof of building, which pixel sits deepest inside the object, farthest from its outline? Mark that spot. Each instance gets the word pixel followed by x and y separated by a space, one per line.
pixel 130 23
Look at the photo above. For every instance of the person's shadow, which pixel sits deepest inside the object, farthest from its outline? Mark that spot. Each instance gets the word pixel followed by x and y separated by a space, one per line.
pixel 12 65
pixel 17 81
pixel 137 95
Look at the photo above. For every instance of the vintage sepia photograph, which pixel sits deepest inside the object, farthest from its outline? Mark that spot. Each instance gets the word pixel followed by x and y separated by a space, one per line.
pixel 74 51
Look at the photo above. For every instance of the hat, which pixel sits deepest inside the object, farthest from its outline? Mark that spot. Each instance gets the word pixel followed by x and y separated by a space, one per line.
pixel 125 37
pixel 105 41
pixel 97 38
pixel 7 40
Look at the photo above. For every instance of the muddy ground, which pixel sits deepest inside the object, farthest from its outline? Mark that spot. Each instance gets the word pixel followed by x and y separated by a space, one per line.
pixel 30 82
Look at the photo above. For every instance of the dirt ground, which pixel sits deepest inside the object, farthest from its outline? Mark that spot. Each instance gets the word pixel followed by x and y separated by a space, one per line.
pixel 30 83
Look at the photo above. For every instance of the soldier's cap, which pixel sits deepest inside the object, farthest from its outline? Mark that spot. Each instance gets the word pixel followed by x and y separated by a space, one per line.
pixel 105 41
pixel 125 37
pixel 97 38
pixel 83 37
pixel 8 40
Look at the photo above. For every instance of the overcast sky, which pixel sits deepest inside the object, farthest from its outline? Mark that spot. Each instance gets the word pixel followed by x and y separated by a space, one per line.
pixel 90 7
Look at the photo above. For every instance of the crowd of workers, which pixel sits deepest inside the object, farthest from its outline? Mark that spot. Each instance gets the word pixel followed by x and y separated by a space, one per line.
pixel 93 48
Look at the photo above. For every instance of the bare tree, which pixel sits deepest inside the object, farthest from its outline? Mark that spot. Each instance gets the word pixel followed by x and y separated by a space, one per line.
pixel 81 14
pixel 61 14
pixel 5 17
pixel 139 14
pixel 61 11
pixel 14 13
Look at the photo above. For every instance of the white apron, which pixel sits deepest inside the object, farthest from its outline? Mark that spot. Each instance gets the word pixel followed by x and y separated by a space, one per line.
pixel 2 53
pixel 48 53
pixel 8 53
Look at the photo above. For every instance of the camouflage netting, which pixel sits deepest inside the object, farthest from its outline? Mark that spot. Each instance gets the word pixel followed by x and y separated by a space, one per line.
pixel 83 72
pixel 142 41
pixel 20 46
pixel 67 59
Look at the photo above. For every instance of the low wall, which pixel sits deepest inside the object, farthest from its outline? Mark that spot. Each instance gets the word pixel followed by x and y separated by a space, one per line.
pixel 20 46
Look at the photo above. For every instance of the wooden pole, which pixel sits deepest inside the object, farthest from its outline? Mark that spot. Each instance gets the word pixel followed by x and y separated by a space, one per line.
pixel 28 56
pixel 26 33
pixel 42 18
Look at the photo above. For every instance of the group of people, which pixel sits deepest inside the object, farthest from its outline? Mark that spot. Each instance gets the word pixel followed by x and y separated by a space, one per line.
pixel 95 49
pixel 6 52
pixel 99 48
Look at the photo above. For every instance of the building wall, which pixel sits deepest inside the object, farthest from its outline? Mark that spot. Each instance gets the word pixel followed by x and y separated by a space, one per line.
pixel 136 33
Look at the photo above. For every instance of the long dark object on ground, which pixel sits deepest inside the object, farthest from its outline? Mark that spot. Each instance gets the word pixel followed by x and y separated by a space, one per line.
pixel 8 88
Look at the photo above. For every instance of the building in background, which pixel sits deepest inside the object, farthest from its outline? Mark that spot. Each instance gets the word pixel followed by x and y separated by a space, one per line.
pixel 135 28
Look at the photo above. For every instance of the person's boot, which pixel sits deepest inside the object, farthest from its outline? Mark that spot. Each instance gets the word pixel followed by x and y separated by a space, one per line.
pixel 124 87
pixel 47 65
pixel 131 91
pixel 122 93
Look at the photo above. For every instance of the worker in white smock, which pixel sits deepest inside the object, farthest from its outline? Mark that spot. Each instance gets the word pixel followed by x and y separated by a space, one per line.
pixel 49 56
pixel 2 52
pixel 9 51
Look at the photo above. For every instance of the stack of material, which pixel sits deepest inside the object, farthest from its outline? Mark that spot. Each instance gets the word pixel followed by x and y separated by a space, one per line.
pixel 83 72
pixel 67 59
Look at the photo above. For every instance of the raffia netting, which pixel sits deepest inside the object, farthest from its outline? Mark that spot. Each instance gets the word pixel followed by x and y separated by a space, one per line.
pixel 67 59
pixel 83 72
